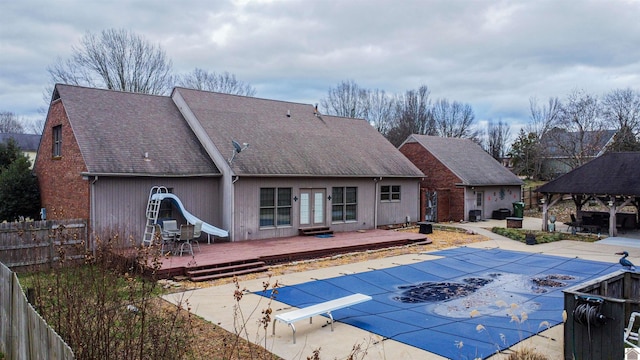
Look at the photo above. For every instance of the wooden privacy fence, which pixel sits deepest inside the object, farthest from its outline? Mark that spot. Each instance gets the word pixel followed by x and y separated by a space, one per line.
pixel 530 198
pixel 23 332
pixel 42 242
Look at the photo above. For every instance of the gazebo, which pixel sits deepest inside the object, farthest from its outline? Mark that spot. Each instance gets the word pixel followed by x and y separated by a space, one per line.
pixel 611 180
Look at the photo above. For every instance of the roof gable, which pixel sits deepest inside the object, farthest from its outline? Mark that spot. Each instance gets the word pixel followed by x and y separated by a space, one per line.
pixel 467 160
pixel 115 130
pixel 290 139
pixel 609 174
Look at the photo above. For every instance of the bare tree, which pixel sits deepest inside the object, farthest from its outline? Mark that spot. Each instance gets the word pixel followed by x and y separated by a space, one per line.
pixel 379 109
pixel 412 115
pixel 543 118
pixel 580 134
pixel 347 100
pixel 415 105
pixel 453 119
pixel 497 138
pixel 116 59
pixel 621 111
pixel 210 81
pixel 35 126
pixel 9 123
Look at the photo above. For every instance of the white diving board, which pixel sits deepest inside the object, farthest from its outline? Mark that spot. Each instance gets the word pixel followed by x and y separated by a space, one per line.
pixel 323 308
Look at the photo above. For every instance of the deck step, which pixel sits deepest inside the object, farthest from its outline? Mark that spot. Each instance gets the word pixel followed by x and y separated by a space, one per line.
pixel 217 271
pixel 228 274
pixel 224 268
pixel 317 230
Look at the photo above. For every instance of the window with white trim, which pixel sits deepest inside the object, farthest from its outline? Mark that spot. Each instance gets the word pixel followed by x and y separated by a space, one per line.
pixel 390 193
pixel 275 207
pixel 344 204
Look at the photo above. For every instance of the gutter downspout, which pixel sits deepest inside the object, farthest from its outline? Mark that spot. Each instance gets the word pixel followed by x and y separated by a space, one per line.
pixel 375 202
pixel 420 204
pixel 92 212
pixel 232 190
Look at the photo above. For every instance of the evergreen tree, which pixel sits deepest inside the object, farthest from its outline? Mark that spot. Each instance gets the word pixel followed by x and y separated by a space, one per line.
pixel 9 152
pixel 624 140
pixel 19 192
pixel 525 155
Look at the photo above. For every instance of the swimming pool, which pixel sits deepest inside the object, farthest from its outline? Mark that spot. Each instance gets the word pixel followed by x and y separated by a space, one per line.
pixel 468 304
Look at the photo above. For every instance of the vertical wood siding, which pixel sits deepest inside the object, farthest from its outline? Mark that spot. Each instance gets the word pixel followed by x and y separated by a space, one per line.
pixel 120 203
pixel 409 204
pixel 247 204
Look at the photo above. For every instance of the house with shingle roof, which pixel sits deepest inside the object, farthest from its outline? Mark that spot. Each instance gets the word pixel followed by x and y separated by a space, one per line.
pixel 102 151
pixel 28 143
pixel 462 181
pixel 566 150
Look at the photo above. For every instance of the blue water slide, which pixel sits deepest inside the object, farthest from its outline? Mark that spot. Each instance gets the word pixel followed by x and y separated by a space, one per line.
pixel 191 219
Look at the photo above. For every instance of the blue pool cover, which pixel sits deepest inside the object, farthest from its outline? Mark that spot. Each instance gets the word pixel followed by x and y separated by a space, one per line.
pixel 469 304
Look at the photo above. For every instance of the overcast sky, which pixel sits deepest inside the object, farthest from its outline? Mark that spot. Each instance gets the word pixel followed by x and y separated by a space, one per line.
pixel 493 55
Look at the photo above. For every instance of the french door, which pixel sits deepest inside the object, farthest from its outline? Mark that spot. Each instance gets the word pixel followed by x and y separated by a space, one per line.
pixel 312 207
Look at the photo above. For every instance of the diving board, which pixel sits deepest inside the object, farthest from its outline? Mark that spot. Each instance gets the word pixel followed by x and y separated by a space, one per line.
pixel 322 308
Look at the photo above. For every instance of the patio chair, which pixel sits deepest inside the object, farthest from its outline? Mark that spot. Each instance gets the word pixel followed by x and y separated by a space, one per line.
pixel 621 225
pixel 629 334
pixel 165 239
pixel 186 235
pixel 170 225
pixel 197 231
pixel 575 224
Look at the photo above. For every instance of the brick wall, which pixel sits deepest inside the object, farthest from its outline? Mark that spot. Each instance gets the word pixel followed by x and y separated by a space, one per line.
pixel 440 179
pixel 63 192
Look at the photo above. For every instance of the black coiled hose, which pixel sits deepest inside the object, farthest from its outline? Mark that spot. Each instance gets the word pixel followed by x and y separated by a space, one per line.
pixel 589 315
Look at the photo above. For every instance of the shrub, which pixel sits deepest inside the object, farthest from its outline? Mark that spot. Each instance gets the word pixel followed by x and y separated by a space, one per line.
pixel 104 313
pixel 541 236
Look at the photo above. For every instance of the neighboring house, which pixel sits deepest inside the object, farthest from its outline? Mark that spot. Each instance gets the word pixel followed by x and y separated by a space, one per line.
pixel 28 143
pixel 462 181
pixel 565 151
pixel 102 151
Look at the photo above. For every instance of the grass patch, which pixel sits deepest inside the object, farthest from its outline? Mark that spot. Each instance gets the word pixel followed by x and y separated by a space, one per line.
pixel 541 236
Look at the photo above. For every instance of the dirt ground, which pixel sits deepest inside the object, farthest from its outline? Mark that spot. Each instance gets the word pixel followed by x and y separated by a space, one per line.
pixel 213 342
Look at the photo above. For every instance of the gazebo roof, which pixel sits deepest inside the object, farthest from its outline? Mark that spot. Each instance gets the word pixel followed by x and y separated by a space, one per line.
pixel 615 174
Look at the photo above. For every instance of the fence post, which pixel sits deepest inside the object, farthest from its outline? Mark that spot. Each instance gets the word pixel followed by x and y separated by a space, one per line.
pixel 50 237
pixel 6 316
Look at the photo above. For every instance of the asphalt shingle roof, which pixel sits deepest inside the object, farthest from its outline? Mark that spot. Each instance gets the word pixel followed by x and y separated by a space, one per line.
pixel 115 129
pixel 608 174
pixel 26 142
pixel 288 139
pixel 466 159
pixel 593 142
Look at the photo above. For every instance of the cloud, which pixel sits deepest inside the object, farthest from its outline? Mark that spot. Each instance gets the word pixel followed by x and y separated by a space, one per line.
pixel 494 55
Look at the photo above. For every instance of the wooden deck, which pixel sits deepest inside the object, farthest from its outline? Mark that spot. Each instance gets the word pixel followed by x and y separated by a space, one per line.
pixel 233 258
